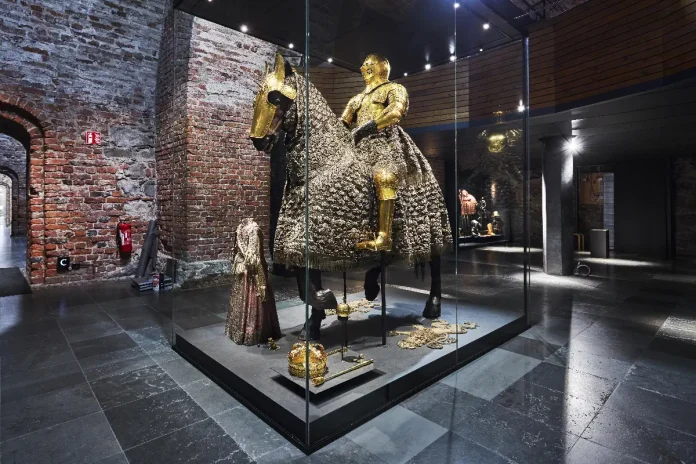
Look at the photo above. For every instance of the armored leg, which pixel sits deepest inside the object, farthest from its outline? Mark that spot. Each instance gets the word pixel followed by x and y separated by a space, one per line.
pixel 385 183
pixel 319 299
pixel 433 307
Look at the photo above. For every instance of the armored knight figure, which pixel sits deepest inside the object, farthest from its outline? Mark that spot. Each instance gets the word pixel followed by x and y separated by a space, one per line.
pixel 412 220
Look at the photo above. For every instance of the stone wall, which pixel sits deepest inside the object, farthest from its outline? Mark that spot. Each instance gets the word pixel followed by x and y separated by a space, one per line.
pixel 210 174
pixel 80 66
pixel 13 162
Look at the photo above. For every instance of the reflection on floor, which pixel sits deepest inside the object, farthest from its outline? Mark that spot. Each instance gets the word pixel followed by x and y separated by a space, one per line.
pixel 607 374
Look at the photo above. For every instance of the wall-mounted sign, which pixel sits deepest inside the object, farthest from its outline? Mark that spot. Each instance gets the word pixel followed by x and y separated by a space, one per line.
pixel 63 264
pixel 93 138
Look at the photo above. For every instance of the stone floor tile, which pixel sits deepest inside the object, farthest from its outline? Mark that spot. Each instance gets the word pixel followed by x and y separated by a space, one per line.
pixel 344 451
pixel 36 358
pixel 150 418
pixel 210 396
pixel 397 435
pixel 454 449
pixel 558 410
pixel 34 413
pixel 87 332
pixel 85 440
pixel 182 371
pixel 252 434
pixel 40 381
pixel 585 452
pixel 640 439
pixel 491 374
pixel 654 407
pixel 103 345
pixel 571 382
pixel 202 442
pixel 131 386
pixel 590 363
pixel 513 435
pixel 537 349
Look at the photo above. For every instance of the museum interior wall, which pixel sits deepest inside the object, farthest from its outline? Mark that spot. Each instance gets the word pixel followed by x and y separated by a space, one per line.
pixel 69 68
pixel 63 75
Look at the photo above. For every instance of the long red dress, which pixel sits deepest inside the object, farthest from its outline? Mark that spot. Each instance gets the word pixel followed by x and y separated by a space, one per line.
pixel 252 316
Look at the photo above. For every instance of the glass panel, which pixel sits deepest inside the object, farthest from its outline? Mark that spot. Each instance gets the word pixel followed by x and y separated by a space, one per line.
pixel 490 179
pixel 317 153
pixel 236 204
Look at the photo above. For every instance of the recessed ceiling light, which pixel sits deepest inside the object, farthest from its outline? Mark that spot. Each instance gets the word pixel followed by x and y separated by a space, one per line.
pixel 456 5
pixel 405 74
pixel 330 60
pixel 480 49
pixel 291 46
pixel 427 66
pixel 243 28
pixel 453 57
pixel 486 26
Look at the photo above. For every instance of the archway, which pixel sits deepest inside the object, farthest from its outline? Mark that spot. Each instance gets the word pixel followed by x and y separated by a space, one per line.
pixel 22 123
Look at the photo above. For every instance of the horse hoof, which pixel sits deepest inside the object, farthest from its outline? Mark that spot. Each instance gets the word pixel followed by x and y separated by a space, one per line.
pixel 433 308
pixel 372 287
pixel 323 299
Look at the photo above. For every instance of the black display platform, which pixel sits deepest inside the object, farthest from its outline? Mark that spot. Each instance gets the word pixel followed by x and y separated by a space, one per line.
pixel 251 373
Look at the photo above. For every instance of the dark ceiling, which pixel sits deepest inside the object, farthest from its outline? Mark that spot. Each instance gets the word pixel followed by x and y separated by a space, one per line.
pixel 410 33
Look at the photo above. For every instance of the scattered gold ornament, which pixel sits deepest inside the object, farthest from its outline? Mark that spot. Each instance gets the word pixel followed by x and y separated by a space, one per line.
pixel 436 336
pixel 273 345
pixel 357 306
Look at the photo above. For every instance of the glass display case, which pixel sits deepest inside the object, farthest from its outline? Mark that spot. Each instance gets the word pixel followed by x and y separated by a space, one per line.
pixel 348 200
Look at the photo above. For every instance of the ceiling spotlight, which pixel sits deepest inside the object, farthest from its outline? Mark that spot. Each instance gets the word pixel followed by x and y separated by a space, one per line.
pixel 573 145
pixel 456 5
pixel 453 57
pixel 486 26
pixel 330 60
pixel 427 66
pixel 243 28
pixel 291 46
pixel 481 49
pixel 521 107
pixel 405 74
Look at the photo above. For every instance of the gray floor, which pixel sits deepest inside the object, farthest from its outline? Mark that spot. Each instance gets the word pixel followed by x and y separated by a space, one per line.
pixel 606 375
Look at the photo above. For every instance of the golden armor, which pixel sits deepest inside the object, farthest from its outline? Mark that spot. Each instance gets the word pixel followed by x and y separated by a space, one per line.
pixel 382 104
pixel 264 110
pixel 297 360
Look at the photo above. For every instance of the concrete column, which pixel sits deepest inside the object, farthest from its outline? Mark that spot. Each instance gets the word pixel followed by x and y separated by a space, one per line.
pixel 557 206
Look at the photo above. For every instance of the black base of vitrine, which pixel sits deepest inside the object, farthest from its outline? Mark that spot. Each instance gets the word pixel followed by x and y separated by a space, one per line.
pixel 248 374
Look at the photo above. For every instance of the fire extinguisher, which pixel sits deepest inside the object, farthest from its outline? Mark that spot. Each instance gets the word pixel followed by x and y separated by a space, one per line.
pixel 124 239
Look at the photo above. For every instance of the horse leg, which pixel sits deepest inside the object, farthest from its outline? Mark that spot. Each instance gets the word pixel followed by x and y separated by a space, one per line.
pixel 433 307
pixel 319 299
pixel 371 285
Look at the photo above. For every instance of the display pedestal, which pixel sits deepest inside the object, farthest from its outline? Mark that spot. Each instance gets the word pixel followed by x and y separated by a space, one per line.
pixel 254 374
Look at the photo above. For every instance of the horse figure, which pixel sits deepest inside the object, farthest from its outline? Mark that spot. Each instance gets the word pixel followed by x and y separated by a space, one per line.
pixel 327 201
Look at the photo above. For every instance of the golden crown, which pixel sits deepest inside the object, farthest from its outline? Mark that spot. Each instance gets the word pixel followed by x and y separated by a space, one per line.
pixel 297 360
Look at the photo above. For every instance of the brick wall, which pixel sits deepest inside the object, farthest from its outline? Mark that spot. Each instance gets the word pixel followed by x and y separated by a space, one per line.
pixel 75 66
pixel 210 174
pixel 13 163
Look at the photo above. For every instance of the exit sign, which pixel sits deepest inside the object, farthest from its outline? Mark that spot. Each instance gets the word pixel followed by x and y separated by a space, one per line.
pixel 93 138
